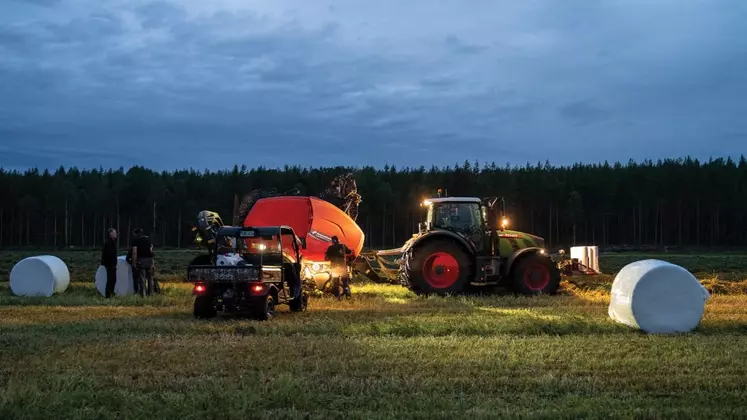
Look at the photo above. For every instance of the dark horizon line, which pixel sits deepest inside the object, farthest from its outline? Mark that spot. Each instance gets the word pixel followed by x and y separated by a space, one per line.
pixel 485 164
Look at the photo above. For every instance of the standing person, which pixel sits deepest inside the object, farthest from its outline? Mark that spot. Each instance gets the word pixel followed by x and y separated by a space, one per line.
pixel 109 261
pixel 135 274
pixel 337 254
pixel 142 262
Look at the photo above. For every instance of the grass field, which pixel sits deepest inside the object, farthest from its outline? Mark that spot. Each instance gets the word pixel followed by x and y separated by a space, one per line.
pixel 383 354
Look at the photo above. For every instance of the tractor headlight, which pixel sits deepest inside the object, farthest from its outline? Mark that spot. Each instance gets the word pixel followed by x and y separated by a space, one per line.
pixel 316 266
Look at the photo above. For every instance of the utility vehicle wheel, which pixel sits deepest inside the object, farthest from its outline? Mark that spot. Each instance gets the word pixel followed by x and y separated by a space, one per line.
pixel 204 308
pixel 439 267
pixel 300 303
pixel 266 309
pixel 534 275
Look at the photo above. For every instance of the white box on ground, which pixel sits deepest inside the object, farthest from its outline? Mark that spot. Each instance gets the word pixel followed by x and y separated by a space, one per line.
pixel 594 258
pixel 657 297
pixel 588 256
pixel 43 275
pixel 125 285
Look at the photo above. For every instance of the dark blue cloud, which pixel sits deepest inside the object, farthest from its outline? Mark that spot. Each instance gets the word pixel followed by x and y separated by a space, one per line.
pixel 38 2
pixel 169 84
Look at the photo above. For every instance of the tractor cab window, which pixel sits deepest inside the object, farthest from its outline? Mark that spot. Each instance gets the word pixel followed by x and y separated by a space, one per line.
pixel 457 216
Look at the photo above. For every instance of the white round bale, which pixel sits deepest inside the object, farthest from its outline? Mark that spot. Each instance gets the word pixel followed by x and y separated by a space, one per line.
pixel 42 275
pixel 657 297
pixel 125 285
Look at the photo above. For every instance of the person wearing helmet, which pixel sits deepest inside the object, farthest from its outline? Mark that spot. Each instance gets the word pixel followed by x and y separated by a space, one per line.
pixel 337 254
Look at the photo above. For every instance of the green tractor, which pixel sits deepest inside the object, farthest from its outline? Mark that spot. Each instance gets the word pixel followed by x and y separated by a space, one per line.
pixel 464 243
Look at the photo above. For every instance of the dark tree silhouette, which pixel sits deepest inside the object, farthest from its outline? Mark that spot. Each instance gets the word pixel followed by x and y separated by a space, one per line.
pixel 674 202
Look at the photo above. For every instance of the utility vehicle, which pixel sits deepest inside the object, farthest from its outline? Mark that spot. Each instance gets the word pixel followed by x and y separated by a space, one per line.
pixel 251 270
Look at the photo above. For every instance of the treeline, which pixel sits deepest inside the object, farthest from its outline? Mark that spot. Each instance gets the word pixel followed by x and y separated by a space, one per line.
pixel 671 202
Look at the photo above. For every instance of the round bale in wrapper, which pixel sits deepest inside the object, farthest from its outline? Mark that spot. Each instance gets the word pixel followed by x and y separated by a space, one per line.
pixel 657 297
pixel 125 284
pixel 43 275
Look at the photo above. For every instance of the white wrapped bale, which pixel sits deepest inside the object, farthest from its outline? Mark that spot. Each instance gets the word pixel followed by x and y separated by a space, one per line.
pixel 43 275
pixel 657 297
pixel 125 285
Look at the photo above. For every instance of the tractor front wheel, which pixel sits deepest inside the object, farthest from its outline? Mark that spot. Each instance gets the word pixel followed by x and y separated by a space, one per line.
pixel 439 267
pixel 535 274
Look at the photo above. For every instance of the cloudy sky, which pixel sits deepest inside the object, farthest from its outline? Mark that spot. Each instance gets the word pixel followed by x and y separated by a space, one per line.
pixel 178 83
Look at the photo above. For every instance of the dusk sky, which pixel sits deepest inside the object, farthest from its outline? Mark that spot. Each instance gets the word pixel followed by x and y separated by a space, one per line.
pixel 210 84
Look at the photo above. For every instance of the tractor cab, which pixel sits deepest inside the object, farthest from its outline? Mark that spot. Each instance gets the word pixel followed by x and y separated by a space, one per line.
pixel 475 219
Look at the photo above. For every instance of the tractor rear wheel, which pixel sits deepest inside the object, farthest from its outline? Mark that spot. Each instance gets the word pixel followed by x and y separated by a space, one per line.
pixel 440 266
pixel 535 274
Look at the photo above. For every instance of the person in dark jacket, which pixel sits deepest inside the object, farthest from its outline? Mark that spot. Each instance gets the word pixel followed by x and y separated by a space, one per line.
pixel 142 264
pixel 109 261
pixel 337 254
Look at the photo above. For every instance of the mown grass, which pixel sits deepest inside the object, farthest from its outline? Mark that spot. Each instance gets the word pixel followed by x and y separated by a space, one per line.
pixel 383 354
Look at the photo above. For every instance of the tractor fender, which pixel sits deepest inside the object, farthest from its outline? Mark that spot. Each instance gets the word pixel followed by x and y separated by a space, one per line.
pixel 470 248
pixel 517 255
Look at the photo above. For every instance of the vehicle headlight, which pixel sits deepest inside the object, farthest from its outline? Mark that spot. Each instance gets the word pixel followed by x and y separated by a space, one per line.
pixel 316 266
